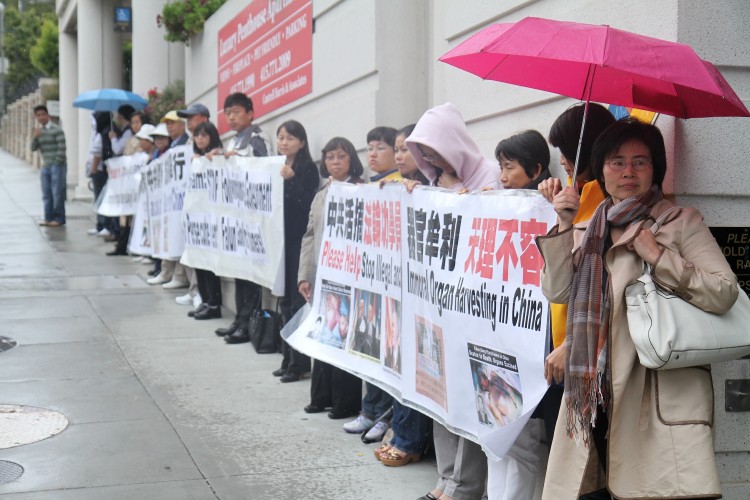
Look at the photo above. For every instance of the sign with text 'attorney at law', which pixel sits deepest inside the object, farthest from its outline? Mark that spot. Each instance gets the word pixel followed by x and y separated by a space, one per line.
pixel 266 53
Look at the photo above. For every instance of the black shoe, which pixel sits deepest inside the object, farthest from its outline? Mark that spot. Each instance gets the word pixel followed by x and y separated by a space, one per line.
pixel 115 252
pixel 311 408
pixel 222 332
pixel 208 313
pixel 336 415
pixel 240 336
pixel 278 372
pixel 153 272
pixel 197 310
pixel 290 377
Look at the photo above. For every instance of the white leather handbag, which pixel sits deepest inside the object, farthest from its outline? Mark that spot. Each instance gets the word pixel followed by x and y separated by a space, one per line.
pixel 669 332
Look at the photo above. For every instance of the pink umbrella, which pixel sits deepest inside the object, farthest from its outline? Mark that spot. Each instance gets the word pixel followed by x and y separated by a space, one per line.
pixel 601 64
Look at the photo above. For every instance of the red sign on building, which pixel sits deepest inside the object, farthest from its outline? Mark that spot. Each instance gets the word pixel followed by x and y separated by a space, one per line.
pixel 266 53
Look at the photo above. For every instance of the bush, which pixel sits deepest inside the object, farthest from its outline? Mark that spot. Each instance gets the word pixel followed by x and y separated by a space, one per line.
pixel 160 103
pixel 184 19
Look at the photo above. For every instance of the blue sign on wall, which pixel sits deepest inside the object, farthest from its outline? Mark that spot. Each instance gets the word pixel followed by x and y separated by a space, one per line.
pixel 123 19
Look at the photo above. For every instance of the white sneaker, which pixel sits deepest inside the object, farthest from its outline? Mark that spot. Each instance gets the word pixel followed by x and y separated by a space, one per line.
pixel 174 285
pixel 156 280
pixel 358 425
pixel 377 431
pixel 184 300
pixel 197 301
pixel 104 232
pixel 92 232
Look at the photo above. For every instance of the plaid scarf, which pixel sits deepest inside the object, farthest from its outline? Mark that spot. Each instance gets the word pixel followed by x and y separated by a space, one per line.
pixel 586 365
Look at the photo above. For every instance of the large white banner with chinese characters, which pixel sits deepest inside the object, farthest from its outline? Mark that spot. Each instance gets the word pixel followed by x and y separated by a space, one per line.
pixel 234 219
pixel 159 232
pixel 436 298
pixel 123 185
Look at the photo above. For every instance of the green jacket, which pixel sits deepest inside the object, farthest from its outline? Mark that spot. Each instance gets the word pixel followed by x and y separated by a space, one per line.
pixel 51 143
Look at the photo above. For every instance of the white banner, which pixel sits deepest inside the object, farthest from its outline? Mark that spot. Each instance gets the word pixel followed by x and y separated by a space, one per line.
pixel 123 185
pixel 159 231
pixel 234 219
pixel 140 233
pixel 436 298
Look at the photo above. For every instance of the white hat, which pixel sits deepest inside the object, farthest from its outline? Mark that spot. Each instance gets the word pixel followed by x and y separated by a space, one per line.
pixel 145 132
pixel 161 130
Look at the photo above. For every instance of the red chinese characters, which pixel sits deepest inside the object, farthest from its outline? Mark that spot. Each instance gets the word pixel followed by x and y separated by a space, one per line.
pixel 516 245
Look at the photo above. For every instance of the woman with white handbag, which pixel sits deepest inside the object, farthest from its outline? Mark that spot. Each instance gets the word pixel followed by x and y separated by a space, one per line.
pixel 625 430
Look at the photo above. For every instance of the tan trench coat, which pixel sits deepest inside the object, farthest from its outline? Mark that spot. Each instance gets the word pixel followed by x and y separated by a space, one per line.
pixel 660 440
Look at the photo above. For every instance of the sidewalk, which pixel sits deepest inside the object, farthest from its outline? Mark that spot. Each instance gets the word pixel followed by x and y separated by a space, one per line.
pixel 159 407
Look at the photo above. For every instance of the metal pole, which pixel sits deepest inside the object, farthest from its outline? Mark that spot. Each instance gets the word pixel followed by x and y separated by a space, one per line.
pixel 2 60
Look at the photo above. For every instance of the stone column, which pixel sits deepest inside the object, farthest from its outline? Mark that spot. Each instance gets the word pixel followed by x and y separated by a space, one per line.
pixel 68 114
pixel 156 62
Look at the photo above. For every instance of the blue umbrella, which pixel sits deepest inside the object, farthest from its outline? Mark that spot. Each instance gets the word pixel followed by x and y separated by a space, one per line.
pixel 108 100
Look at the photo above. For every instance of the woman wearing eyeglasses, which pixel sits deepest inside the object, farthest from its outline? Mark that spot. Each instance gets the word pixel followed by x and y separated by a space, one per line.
pixel 331 387
pixel 644 433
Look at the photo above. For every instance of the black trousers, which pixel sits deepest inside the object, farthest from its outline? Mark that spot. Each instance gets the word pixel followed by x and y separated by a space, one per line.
pixel 247 299
pixel 333 387
pixel 293 361
pixel 209 286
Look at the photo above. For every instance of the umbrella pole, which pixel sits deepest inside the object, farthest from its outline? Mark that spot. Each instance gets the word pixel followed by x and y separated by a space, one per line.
pixel 580 141
pixel 589 84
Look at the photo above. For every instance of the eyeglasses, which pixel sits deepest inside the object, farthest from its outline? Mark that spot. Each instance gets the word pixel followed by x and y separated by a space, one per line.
pixel 430 158
pixel 638 164
pixel 334 156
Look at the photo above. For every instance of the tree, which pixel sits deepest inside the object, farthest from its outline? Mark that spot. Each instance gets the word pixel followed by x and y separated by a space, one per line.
pixel 44 54
pixel 22 29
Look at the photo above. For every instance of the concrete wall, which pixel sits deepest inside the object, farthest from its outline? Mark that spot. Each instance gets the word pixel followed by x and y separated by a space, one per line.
pixel 363 76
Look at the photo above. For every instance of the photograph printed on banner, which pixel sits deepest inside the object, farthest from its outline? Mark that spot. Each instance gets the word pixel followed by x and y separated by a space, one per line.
pixel 366 327
pixel 392 359
pixel 331 327
pixel 430 373
pixel 497 386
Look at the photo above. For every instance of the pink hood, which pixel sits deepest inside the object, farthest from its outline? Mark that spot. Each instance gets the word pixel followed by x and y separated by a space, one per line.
pixel 443 129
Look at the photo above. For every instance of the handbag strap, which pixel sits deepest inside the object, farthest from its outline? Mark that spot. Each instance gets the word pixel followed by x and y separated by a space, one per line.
pixel 682 286
pixel 659 222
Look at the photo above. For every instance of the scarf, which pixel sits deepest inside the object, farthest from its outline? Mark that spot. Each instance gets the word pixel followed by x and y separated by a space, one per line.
pixel 586 365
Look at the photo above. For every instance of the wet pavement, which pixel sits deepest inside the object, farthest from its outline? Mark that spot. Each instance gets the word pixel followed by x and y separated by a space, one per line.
pixel 158 407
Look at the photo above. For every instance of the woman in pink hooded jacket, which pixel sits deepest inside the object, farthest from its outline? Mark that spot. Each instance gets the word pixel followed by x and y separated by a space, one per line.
pixel 449 158
pixel 447 155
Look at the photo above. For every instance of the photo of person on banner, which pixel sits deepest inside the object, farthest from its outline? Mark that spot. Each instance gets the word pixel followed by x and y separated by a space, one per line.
pixel 499 397
pixel 366 335
pixel 392 357
pixel 335 310
pixel 430 362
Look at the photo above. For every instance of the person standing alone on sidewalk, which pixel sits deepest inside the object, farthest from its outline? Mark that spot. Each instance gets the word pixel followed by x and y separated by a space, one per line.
pixel 49 139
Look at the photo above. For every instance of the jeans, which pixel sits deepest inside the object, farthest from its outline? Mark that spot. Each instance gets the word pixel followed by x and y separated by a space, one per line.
pixel 411 429
pixel 376 401
pixel 53 178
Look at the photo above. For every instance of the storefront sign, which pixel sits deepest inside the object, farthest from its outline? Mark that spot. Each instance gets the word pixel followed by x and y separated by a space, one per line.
pixel 266 53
